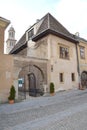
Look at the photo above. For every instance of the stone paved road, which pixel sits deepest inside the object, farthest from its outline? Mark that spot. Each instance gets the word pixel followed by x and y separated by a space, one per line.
pixel 65 111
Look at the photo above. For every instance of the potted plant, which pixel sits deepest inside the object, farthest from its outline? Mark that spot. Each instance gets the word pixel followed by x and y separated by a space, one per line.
pixel 52 90
pixel 11 97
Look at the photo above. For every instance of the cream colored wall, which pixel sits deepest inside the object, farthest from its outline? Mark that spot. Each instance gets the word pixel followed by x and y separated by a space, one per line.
pixel 6 76
pixel 62 65
pixel 39 50
pixel 48 48
pixel 82 62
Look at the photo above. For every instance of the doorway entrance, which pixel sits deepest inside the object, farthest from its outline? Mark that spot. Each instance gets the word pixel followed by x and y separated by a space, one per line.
pixel 84 79
pixel 32 84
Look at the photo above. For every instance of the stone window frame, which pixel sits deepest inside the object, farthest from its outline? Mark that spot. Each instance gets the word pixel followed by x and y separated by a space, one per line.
pixel 82 52
pixel 64 52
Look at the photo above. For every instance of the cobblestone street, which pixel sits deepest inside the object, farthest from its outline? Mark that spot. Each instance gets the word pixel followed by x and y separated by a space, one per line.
pixel 65 111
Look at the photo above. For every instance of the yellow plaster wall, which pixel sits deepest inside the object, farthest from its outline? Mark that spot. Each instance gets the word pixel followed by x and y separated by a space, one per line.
pixel 6 76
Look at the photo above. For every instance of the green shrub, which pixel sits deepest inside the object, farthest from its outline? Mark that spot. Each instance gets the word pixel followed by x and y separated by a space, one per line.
pixel 52 87
pixel 12 93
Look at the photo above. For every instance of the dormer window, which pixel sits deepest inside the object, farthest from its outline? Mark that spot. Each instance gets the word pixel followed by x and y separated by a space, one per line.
pixel 30 33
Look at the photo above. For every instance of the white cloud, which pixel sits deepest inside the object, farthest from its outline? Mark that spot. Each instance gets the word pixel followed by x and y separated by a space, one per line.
pixel 72 14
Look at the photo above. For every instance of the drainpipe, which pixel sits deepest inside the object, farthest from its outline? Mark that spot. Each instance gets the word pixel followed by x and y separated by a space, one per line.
pixel 78 65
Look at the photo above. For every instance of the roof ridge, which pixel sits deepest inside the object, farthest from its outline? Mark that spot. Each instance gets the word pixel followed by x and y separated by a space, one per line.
pixel 59 22
pixel 50 22
pixel 51 25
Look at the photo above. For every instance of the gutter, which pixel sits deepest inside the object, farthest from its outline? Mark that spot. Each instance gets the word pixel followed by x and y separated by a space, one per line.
pixel 78 65
pixel 49 31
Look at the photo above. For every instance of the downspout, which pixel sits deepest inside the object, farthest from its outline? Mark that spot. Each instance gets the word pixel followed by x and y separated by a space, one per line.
pixel 78 65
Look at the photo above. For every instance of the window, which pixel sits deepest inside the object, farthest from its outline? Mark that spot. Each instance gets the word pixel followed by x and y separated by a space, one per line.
pixel 30 33
pixel 73 76
pixel 64 52
pixel 51 68
pixel 82 52
pixel 11 43
pixel 12 34
pixel 61 77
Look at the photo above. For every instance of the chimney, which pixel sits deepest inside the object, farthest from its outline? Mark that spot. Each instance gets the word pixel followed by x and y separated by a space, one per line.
pixel 37 20
pixel 77 34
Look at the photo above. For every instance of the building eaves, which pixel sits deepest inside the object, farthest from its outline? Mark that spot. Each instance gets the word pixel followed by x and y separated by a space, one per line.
pixel 49 25
pixel 5 21
pixel 49 31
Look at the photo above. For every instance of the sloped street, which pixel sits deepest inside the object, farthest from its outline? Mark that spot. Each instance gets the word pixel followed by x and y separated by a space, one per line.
pixel 65 111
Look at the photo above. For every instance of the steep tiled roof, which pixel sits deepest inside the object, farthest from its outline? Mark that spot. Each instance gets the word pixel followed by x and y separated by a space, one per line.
pixel 51 25
pixel 21 44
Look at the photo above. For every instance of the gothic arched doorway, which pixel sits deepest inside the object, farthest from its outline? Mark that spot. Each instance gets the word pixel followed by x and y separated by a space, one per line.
pixel 32 84
pixel 31 79
pixel 84 79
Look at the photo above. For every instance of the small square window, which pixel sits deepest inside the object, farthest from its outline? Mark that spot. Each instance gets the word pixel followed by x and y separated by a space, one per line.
pixel 51 68
pixel 61 77
pixel 73 76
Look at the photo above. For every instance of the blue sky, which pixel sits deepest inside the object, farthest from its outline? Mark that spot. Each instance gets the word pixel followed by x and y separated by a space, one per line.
pixel 23 13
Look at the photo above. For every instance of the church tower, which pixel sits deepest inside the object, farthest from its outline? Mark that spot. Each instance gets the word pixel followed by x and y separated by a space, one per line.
pixel 10 43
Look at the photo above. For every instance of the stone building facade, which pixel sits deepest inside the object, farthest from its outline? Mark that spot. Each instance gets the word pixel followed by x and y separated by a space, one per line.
pixel 47 52
pixel 51 53
pixel 82 61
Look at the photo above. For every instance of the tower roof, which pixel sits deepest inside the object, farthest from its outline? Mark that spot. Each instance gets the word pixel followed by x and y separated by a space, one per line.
pixel 11 29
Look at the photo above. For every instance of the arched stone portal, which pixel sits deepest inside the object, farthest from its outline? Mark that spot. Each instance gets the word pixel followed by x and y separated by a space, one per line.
pixel 84 79
pixel 32 78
